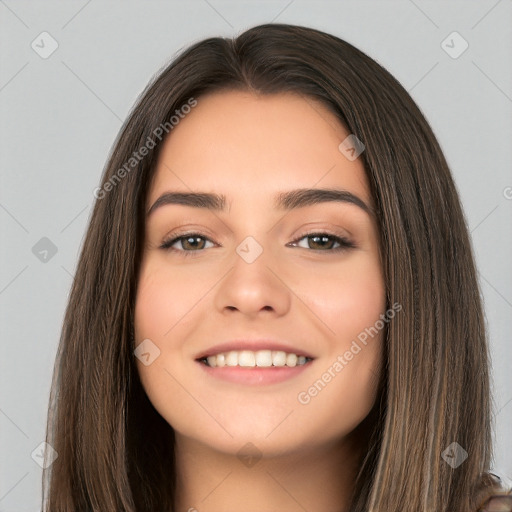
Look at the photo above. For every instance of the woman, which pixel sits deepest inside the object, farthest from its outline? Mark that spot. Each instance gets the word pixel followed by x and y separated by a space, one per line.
pixel 276 303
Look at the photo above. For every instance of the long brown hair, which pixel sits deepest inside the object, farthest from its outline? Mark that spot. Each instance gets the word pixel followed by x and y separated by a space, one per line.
pixel 115 452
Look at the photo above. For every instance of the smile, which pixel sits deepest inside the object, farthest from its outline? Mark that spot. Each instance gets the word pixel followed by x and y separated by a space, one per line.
pixel 260 367
pixel 253 359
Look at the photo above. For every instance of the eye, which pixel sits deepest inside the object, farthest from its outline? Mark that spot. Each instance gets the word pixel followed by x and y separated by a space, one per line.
pixel 324 242
pixel 321 242
pixel 190 242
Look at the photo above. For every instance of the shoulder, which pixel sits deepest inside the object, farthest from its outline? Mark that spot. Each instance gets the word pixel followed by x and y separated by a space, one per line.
pixel 494 494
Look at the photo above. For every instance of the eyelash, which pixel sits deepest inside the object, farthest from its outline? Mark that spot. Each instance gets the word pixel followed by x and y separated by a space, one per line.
pixel 345 244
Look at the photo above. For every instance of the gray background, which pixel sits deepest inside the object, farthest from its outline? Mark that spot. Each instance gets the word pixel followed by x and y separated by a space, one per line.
pixel 60 115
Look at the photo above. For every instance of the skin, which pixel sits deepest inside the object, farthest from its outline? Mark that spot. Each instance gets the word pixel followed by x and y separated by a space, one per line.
pixel 250 147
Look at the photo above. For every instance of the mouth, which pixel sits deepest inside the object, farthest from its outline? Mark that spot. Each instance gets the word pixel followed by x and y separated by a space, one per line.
pixel 255 359
pixel 253 363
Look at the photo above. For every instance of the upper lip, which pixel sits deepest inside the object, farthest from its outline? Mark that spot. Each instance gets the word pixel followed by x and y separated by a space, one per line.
pixel 253 345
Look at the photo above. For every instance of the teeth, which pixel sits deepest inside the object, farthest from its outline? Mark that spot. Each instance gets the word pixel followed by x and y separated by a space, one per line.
pixel 291 360
pixel 260 359
pixel 264 358
pixel 231 358
pixel 246 358
pixel 278 358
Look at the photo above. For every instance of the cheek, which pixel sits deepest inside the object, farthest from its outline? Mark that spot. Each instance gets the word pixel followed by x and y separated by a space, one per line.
pixel 350 303
pixel 165 298
pixel 161 311
pixel 150 309
pixel 348 299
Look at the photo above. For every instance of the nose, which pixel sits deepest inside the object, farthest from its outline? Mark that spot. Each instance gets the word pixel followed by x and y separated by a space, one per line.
pixel 254 284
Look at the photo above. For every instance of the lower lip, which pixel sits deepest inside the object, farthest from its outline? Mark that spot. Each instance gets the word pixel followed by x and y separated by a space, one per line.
pixel 254 375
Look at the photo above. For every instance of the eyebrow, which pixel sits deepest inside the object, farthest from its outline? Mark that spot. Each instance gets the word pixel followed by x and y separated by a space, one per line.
pixel 289 200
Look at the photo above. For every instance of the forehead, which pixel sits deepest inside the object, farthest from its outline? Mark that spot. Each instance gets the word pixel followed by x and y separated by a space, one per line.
pixel 251 147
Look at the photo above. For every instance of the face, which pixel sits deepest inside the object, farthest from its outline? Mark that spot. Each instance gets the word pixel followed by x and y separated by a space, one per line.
pixel 260 282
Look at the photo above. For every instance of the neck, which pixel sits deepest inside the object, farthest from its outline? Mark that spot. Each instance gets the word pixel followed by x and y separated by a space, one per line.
pixel 319 479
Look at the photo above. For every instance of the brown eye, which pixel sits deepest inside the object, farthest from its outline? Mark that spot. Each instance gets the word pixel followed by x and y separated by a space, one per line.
pixel 325 242
pixel 189 242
